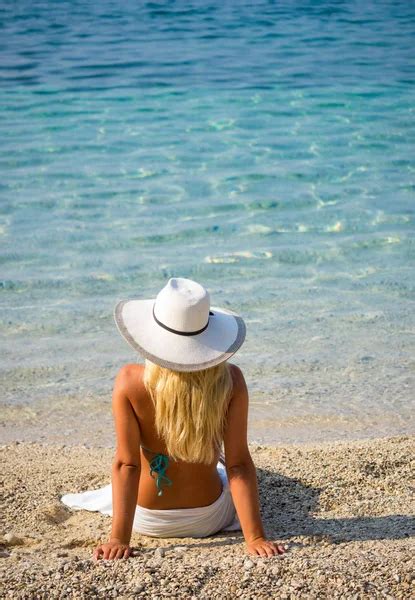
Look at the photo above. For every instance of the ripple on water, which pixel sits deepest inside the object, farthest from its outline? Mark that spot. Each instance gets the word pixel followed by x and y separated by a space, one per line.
pixel 234 257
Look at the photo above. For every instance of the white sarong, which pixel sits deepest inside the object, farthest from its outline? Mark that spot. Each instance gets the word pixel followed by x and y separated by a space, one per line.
pixel 172 522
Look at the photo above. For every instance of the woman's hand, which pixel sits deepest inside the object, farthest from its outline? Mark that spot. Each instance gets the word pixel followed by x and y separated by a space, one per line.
pixel 264 547
pixel 114 549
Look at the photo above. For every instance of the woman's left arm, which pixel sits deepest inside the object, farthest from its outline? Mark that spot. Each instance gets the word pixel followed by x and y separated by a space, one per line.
pixel 125 470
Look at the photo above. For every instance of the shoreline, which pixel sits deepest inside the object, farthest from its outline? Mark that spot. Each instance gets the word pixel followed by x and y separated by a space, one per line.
pixel 254 445
pixel 344 509
pixel 72 425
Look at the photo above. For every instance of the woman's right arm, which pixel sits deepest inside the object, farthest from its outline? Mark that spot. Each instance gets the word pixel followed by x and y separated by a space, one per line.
pixel 125 471
pixel 241 471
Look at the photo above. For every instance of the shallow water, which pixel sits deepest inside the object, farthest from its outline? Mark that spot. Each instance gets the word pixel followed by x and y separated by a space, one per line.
pixel 265 150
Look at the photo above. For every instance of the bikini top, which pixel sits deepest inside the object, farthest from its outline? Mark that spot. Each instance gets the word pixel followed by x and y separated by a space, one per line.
pixel 159 465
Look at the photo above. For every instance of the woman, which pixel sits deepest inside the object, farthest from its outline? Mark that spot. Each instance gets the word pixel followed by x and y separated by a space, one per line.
pixel 171 417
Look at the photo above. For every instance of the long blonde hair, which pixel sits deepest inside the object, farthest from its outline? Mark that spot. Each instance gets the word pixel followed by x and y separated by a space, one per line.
pixel 190 409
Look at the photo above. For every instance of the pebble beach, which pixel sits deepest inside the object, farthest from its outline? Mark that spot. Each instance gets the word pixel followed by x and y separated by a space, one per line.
pixel 344 510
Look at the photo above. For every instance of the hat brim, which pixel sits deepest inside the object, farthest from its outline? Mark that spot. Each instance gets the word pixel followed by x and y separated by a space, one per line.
pixel 223 336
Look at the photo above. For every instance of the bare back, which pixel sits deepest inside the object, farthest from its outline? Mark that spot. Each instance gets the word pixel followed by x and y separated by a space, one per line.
pixel 194 484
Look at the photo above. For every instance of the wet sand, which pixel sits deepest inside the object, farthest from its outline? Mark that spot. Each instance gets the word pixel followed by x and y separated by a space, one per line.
pixel 345 510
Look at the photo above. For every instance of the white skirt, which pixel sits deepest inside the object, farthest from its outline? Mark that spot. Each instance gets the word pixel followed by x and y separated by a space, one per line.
pixel 173 522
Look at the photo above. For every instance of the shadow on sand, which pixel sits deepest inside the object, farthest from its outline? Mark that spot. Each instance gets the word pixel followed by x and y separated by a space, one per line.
pixel 288 507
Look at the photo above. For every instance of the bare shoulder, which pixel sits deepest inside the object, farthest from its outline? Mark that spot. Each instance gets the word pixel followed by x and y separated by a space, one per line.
pixel 239 397
pixel 129 376
pixel 131 369
pixel 239 383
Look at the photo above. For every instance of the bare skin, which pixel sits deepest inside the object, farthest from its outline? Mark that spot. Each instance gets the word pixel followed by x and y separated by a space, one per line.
pixel 194 484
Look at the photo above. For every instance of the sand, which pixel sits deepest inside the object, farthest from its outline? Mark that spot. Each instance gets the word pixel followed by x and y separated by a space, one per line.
pixel 344 510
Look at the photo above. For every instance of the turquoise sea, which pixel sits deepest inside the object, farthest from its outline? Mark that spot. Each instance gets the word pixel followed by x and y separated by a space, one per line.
pixel 265 149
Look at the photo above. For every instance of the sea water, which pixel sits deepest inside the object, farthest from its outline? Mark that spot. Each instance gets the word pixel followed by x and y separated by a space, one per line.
pixel 265 149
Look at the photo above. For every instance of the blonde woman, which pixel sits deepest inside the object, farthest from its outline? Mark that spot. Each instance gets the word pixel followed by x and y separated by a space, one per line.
pixel 169 477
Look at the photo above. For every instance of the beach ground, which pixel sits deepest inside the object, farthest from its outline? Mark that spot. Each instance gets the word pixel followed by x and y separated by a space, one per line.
pixel 345 511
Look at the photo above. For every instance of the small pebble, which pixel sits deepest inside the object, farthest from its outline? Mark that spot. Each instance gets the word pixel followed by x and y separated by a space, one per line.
pixel 12 539
pixel 248 564
pixel 138 588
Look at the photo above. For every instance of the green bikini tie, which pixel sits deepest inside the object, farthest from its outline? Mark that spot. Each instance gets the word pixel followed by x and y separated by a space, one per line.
pixel 159 465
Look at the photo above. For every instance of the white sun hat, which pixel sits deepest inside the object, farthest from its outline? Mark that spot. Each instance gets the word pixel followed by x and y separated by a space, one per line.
pixel 179 329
